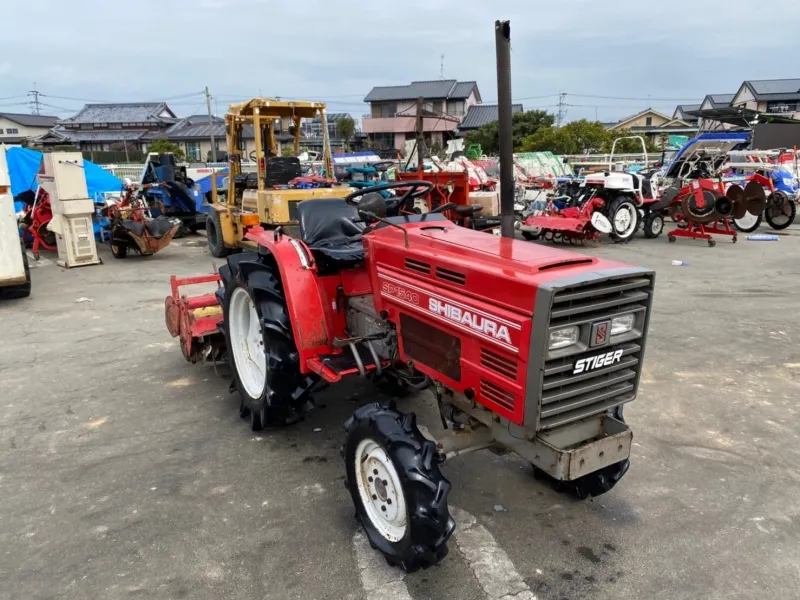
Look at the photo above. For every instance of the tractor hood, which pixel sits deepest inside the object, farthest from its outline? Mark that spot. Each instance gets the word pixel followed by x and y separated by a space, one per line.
pixel 498 271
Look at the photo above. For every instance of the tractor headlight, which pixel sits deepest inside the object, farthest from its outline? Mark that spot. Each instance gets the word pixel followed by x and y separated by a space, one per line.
pixel 622 324
pixel 561 338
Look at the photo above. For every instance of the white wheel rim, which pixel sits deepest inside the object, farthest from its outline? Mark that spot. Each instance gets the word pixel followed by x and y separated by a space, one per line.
pixel 380 490
pixel 747 221
pixel 247 343
pixel 657 225
pixel 624 220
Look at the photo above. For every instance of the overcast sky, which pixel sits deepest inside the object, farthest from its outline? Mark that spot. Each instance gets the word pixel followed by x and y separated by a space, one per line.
pixel 669 51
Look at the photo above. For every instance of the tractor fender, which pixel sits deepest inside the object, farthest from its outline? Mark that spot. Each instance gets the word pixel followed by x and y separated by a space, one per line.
pixel 301 288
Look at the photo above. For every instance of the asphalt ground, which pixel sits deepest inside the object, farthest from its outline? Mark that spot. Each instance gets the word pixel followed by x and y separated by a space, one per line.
pixel 125 471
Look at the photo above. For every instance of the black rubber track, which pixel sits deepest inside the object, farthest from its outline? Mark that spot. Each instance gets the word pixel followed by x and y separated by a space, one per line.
pixel 214 236
pixel 279 403
pixel 424 487
pixel 786 220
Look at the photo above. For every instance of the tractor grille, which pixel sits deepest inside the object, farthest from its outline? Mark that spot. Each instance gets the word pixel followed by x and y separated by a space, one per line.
pixel 568 395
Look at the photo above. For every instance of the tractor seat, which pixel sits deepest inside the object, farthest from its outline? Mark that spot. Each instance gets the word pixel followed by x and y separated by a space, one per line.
pixel 469 210
pixel 328 227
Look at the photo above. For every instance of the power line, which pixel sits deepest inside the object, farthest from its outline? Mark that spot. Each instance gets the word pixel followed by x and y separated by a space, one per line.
pixel 629 98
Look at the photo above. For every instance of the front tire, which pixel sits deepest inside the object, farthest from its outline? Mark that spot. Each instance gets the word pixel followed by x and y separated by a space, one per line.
pixel 399 493
pixel 624 217
pixel 259 341
pixel 653 225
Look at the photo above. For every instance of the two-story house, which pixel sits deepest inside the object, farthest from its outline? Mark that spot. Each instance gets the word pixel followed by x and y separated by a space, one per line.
pixel 96 127
pixel 15 128
pixel 393 111
pixel 654 126
pixel 776 96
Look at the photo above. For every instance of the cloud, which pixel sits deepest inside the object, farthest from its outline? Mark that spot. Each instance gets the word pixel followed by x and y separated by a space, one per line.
pixel 336 52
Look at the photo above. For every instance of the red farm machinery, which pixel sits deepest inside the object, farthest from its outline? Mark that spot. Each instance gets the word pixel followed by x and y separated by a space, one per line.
pixel 527 349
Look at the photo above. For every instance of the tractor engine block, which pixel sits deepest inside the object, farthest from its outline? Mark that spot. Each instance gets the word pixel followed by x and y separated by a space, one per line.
pixel 364 321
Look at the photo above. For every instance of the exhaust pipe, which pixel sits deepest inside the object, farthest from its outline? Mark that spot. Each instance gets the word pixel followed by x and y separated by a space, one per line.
pixel 502 36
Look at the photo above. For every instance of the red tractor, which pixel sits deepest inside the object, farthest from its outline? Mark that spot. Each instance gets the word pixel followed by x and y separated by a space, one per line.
pixel 527 349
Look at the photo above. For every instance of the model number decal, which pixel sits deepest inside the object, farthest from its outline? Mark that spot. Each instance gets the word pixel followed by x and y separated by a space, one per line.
pixel 475 322
pixel 399 292
pixel 597 362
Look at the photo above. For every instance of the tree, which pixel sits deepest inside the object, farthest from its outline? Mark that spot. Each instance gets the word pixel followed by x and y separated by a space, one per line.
pixel 577 137
pixel 346 128
pixel 523 125
pixel 287 150
pixel 164 145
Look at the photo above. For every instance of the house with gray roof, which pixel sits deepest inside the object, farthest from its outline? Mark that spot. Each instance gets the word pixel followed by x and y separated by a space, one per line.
pixel 96 127
pixel 683 112
pixel 16 128
pixel 770 96
pixel 393 111
pixel 479 115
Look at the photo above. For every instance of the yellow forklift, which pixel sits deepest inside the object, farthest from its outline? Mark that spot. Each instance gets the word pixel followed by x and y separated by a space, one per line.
pixel 261 198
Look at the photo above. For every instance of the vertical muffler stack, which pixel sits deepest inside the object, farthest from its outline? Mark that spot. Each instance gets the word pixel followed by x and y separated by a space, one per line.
pixel 502 35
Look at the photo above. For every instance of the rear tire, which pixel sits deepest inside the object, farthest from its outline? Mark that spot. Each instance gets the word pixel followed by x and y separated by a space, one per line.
pixel 624 217
pixel 216 244
pixel 260 346
pixel 399 493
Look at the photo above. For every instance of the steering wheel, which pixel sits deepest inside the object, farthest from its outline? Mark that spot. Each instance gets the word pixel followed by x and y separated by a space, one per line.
pixel 416 190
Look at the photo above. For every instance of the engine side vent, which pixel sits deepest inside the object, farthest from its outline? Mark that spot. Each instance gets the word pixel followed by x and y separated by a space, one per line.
pixel 431 346
pixel 494 393
pixel 506 367
pixel 418 266
pixel 451 276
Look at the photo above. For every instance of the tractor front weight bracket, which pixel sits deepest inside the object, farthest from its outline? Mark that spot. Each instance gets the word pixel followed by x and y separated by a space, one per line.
pixel 566 453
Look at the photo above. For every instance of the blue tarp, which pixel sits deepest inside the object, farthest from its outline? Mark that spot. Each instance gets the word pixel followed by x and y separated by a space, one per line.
pixel 23 166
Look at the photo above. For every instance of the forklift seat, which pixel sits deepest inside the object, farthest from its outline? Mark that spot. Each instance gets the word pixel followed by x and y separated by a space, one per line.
pixel 328 227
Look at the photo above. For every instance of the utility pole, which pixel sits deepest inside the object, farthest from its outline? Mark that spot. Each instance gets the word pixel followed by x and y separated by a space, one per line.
pixel 211 127
pixel 420 135
pixel 562 109
pixel 441 68
pixel 35 102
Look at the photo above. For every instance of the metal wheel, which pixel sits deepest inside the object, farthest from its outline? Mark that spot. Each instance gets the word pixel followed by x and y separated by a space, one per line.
pixel 247 343
pixel 748 223
pixel 624 218
pixel 781 211
pixel 380 490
